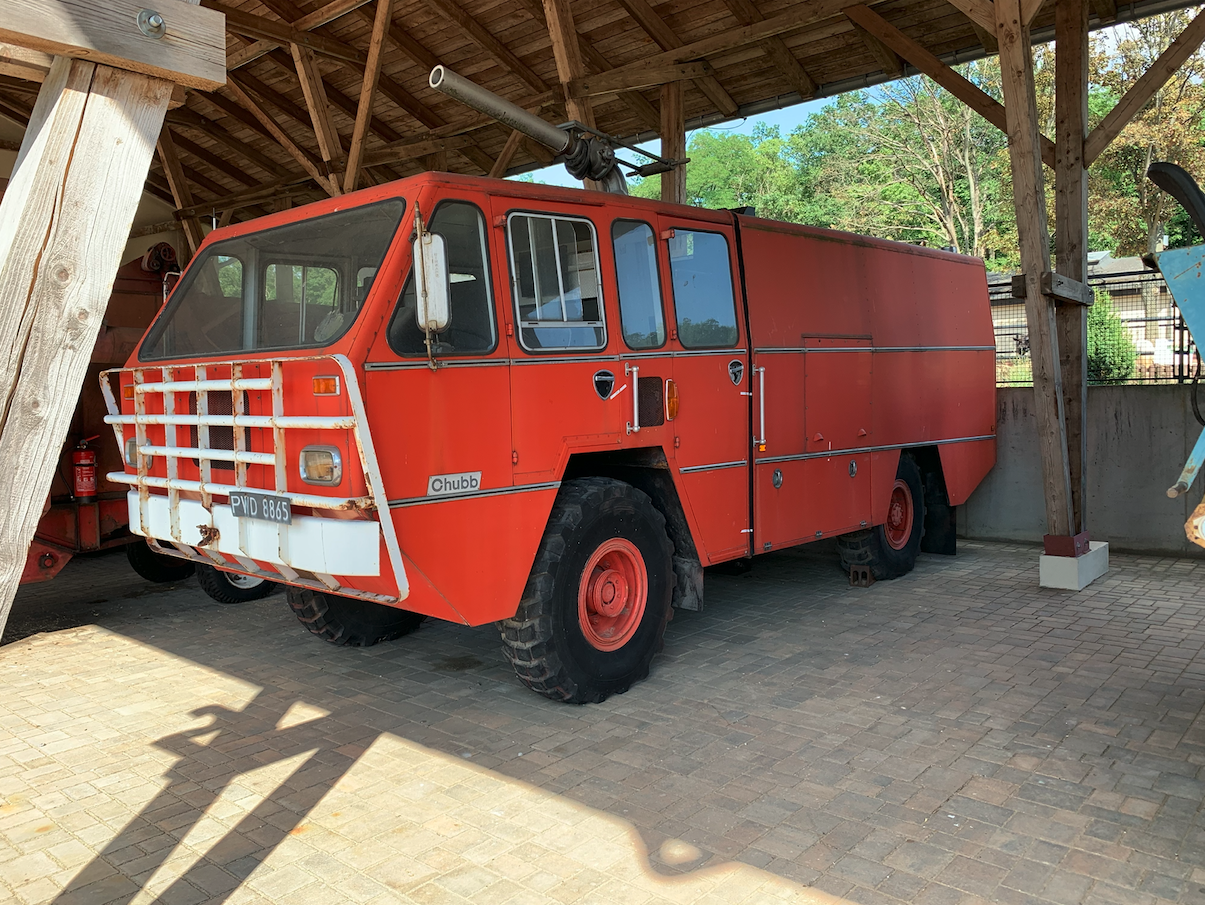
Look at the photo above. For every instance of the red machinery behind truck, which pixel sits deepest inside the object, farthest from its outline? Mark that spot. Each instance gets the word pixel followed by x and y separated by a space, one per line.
pixel 619 393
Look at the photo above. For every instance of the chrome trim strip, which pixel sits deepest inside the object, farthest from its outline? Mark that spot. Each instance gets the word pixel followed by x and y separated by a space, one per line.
pixel 493 491
pixel 772 350
pixel 829 453
pixel 443 363
pixel 691 469
pixel 552 360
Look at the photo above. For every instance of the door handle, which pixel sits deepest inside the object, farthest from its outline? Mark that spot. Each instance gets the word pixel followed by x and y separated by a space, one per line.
pixel 761 401
pixel 634 372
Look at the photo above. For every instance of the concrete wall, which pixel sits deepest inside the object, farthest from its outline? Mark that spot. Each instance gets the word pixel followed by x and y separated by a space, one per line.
pixel 1138 439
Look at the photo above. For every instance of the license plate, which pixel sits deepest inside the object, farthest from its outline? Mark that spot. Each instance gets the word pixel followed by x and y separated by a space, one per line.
pixel 263 506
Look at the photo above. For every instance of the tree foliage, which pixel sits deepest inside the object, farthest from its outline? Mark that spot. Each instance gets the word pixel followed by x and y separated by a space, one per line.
pixel 1111 350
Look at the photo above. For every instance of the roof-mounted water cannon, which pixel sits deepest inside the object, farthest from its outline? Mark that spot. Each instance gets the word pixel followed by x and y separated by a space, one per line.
pixel 585 152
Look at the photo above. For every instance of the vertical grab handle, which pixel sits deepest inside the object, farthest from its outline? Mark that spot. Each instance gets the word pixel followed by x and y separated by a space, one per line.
pixel 761 402
pixel 634 424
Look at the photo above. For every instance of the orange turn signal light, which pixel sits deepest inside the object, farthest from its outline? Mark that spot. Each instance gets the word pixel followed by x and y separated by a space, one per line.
pixel 671 400
pixel 326 386
pixel 127 391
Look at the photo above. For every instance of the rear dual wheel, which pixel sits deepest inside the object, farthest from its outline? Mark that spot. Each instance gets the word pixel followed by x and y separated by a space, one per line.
pixel 891 549
pixel 349 621
pixel 230 587
pixel 594 611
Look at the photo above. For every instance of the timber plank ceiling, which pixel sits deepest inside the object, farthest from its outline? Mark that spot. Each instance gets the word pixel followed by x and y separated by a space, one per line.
pixel 803 49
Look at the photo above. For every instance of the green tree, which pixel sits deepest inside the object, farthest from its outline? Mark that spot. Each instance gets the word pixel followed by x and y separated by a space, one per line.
pixel 1111 349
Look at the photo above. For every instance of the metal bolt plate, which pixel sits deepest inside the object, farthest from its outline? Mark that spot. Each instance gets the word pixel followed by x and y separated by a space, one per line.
pixel 151 24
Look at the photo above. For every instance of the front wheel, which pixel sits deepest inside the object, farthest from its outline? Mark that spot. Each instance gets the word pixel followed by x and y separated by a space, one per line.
pixel 227 587
pixel 891 549
pixel 594 611
pixel 349 621
pixel 156 567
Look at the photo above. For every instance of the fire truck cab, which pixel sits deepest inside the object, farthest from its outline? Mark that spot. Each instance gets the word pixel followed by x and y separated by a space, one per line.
pixel 619 393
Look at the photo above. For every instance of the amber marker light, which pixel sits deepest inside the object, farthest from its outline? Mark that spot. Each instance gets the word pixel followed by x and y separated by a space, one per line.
pixel 127 391
pixel 326 386
pixel 671 400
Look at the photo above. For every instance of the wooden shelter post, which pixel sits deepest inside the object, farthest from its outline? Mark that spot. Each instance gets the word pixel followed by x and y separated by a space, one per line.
pixel 1029 198
pixel 673 142
pixel 64 221
pixel 1071 236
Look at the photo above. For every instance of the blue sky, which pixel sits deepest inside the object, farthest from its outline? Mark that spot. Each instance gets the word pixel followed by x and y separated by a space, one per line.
pixel 786 120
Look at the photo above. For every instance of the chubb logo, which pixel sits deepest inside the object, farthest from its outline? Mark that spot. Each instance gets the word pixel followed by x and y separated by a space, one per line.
pixel 445 484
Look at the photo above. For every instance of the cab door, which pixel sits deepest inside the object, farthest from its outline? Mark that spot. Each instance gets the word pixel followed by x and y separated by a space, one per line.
pixel 713 431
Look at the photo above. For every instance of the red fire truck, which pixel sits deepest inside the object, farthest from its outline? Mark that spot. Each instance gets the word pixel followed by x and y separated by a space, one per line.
pixel 489 401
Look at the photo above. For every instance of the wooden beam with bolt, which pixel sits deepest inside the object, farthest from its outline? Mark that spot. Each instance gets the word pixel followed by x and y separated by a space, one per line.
pixel 177 41
pixel 1020 102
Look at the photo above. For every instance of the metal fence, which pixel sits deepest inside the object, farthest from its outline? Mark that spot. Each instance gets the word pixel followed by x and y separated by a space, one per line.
pixel 1147 343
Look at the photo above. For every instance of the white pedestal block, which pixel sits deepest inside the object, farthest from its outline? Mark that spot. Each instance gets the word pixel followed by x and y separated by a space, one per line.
pixel 1074 573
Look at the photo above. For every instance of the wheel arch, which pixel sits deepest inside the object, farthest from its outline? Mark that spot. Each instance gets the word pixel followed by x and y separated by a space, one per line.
pixel 648 470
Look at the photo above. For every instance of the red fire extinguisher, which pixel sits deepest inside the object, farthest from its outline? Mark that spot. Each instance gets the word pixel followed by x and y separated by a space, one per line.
pixel 83 472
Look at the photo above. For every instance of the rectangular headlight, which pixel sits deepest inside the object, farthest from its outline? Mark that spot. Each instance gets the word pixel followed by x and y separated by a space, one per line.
pixel 132 454
pixel 321 465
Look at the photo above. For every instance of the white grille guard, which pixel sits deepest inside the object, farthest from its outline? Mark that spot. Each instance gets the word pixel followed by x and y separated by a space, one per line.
pixel 295 568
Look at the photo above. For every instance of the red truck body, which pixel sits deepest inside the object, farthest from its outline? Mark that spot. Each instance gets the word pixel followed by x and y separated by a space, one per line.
pixel 758 381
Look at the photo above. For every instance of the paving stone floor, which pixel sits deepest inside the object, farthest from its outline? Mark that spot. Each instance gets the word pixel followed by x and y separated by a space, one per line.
pixel 958 735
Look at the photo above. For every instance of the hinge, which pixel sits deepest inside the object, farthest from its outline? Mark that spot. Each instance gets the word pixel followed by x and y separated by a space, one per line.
pixel 667 234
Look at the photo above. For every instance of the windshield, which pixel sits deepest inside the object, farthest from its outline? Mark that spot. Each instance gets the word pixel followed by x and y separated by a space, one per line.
pixel 292 287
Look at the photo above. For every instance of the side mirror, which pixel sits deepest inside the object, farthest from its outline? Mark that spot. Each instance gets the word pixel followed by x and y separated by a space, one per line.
pixel 432 282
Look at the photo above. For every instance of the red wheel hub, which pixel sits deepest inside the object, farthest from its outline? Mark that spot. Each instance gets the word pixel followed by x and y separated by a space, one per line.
pixel 612 595
pixel 899 516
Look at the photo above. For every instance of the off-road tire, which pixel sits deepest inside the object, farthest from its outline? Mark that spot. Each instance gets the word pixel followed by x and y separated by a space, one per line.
pixel 218 586
pixel 156 567
pixel 544 641
pixel 870 547
pixel 348 621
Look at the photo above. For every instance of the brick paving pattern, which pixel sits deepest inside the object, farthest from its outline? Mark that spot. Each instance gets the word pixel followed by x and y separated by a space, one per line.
pixel 956 736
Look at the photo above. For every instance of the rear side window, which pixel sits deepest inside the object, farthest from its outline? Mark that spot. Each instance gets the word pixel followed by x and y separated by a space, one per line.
pixel 640 310
pixel 554 269
pixel 703 299
pixel 471 327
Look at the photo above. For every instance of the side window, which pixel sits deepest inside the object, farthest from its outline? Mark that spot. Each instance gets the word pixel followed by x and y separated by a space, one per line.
pixel 297 300
pixel 471 324
pixel 640 310
pixel 554 269
pixel 702 278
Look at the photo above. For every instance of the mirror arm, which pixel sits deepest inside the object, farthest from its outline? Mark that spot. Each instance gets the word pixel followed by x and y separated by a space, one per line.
pixel 421 268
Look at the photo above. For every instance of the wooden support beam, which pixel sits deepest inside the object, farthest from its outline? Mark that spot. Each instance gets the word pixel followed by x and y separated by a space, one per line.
pixel 282 138
pixel 967 92
pixel 249 198
pixel 775 49
pixel 1029 11
pixel 1106 11
pixel 406 44
pixel 646 17
pixel 180 190
pixel 23 63
pixel 319 17
pixel 981 12
pixel 253 26
pixel 1029 199
pixel 329 144
pixel 192 50
pixel 653 76
pixel 191 119
pixel 673 142
pixel 1145 88
pixel 893 66
pixel 568 57
pixel 1071 239
pixel 986 38
pixel 498 170
pixel 368 90
pixel 64 221
pixel 412 150
pixel 218 163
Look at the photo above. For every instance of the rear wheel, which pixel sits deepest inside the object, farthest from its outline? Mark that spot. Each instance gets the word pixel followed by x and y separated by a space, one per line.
pixel 594 611
pixel 156 567
pixel 348 621
pixel 890 549
pixel 227 587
